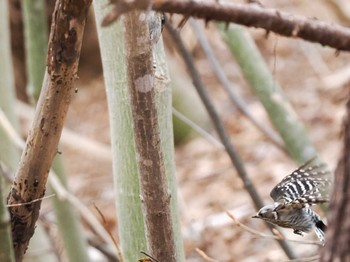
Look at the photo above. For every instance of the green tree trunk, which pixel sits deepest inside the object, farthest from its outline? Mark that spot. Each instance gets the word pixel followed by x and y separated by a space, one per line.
pixel 35 32
pixel 129 212
pixel 265 87
pixel 6 248
pixel 8 153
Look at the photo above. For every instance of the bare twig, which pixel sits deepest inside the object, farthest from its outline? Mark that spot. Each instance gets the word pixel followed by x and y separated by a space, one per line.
pixel 103 248
pixel 250 230
pixel 86 214
pixel 315 59
pixel 252 15
pixel 150 258
pixel 10 130
pixel 31 202
pixel 229 87
pixel 69 138
pixel 337 78
pixel 5 173
pixel 205 256
pixel 306 259
pixel 198 129
pixel 110 233
pixel 219 126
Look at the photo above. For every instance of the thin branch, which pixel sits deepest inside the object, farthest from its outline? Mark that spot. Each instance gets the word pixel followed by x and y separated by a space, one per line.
pixel 85 212
pixel 205 256
pixel 306 259
pixel 315 59
pixel 229 87
pixel 198 129
pixel 219 126
pixel 252 15
pixel 78 142
pixel 150 258
pixel 120 255
pixel 31 202
pixel 10 130
pixel 338 78
pixel 96 243
pixel 85 144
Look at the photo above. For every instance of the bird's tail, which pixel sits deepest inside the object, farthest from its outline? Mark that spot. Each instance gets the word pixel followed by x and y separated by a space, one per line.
pixel 320 229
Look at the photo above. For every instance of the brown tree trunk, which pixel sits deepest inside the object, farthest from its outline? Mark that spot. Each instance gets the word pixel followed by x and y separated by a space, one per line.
pixel 153 182
pixel 338 233
pixel 30 181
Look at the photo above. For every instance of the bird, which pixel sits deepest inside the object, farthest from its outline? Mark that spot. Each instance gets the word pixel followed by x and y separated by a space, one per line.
pixel 293 197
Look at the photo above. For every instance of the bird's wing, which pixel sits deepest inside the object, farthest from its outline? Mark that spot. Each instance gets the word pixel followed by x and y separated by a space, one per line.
pixel 307 185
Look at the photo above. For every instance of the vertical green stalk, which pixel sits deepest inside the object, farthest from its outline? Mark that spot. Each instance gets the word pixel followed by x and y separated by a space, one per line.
pixel 6 248
pixel 269 92
pixel 130 218
pixel 68 220
pixel 8 153
pixel 35 32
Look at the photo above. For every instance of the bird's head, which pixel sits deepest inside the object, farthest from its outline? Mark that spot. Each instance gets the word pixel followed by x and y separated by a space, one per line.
pixel 268 213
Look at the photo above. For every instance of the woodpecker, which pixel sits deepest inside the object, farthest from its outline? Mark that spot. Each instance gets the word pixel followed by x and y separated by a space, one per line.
pixel 294 196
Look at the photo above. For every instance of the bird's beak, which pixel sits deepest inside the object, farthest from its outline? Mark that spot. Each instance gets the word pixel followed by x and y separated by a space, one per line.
pixel 255 216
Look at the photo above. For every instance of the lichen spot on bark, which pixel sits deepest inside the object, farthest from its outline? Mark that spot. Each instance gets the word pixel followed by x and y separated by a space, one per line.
pixel 147 162
pixel 144 83
pixel 142 17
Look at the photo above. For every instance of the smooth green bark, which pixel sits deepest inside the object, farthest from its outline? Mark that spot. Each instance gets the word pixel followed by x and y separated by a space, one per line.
pixel 265 87
pixel 68 220
pixel 130 218
pixel 36 38
pixel 6 248
pixel 8 153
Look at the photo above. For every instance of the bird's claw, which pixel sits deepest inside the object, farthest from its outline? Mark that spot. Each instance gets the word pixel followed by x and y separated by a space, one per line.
pixel 298 232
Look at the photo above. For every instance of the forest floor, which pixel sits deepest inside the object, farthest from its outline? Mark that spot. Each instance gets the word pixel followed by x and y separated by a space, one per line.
pixel 208 185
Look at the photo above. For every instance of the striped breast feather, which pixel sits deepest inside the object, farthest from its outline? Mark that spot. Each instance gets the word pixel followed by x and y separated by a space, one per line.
pixel 309 184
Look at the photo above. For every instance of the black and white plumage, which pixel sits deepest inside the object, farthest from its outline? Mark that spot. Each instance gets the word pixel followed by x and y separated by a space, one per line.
pixel 293 196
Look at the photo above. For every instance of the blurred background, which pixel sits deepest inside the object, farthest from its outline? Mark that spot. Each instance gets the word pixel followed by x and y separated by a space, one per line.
pixel 315 80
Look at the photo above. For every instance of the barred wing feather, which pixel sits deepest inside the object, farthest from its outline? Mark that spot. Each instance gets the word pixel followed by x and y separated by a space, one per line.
pixel 307 185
